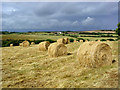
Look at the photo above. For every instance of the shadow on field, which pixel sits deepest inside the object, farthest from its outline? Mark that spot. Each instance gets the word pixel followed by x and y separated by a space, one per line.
pixel 70 54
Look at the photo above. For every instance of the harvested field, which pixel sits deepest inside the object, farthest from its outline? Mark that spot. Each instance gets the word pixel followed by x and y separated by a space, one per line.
pixel 30 68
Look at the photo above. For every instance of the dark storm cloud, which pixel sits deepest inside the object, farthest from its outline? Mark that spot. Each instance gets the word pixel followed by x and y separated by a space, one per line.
pixel 59 16
pixel 46 9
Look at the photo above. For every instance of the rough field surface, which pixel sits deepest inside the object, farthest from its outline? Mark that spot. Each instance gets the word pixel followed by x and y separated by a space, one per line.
pixel 26 67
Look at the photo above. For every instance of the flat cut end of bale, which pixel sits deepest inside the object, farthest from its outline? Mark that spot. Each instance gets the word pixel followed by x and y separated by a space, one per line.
pixel 94 54
pixel 80 40
pixel 32 43
pixel 11 45
pixel 25 44
pixel 43 46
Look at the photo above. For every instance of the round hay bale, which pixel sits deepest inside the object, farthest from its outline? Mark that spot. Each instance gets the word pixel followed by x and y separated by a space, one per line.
pixel 61 40
pixel 80 40
pixel 32 43
pixel 20 44
pixel 25 43
pixel 98 40
pixel 43 46
pixel 67 41
pixel 11 45
pixel 92 41
pixel 86 40
pixel 94 54
pixel 75 41
pixel 57 49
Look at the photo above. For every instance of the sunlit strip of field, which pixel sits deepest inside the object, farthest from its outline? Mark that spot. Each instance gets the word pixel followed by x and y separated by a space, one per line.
pixel 30 37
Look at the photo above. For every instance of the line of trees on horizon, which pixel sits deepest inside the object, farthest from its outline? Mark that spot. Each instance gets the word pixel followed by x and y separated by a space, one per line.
pixel 65 32
pixel 118 29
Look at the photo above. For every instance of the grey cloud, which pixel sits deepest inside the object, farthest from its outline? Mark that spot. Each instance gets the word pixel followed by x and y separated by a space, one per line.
pixel 88 21
pixel 59 16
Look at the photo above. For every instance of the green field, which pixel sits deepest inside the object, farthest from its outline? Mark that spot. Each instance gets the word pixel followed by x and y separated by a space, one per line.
pixel 30 37
pixel 37 37
pixel 53 36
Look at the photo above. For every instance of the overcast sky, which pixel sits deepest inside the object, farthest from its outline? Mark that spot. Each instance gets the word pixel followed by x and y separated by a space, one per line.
pixel 58 16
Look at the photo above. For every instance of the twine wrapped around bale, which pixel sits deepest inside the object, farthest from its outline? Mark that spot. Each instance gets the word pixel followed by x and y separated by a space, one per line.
pixel 57 49
pixel 61 40
pixel 20 44
pixel 32 43
pixel 67 41
pixel 94 54
pixel 25 44
pixel 11 45
pixel 43 46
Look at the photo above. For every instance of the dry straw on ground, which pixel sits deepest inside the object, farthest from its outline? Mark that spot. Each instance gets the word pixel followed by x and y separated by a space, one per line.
pixel 43 46
pixel 57 49
pixel 11 45
pixel 94 54
pixel 67 41
pixel 61 40
pixel 32 43
pixel 25 43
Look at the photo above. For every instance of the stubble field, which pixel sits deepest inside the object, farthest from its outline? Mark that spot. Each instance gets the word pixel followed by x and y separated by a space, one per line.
pixel 28 67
